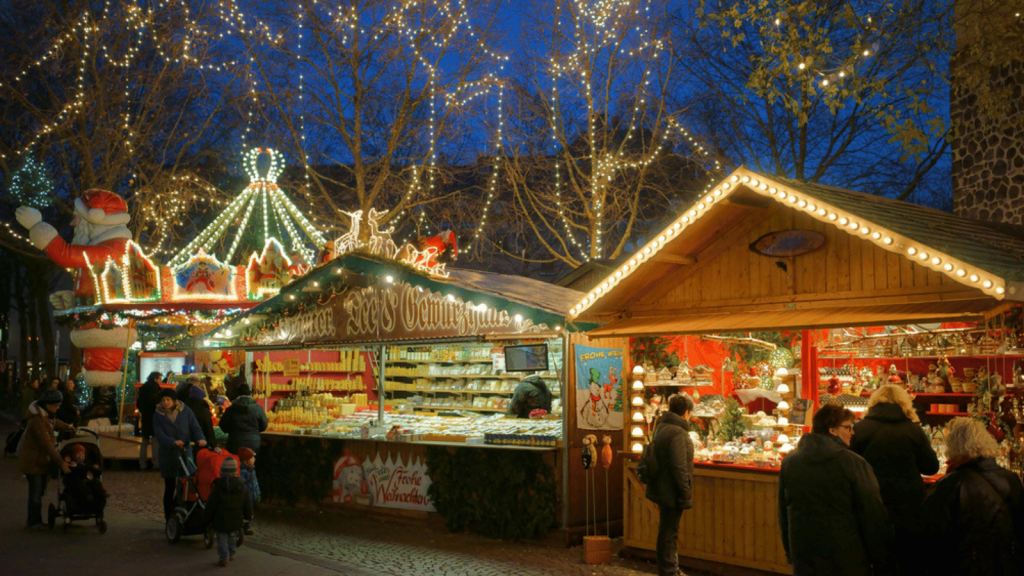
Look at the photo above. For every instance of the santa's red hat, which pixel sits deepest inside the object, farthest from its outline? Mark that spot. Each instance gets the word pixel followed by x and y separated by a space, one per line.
pixel 102 207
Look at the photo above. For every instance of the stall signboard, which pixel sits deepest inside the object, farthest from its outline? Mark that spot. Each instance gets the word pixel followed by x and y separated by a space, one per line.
pixel 598 388
pixel 398 311
pixel 291 367
pixel 382 482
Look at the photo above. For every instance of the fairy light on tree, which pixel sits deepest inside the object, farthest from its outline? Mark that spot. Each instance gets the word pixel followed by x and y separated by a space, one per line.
pixel 600 83
pixel 819 89
pixel 379 135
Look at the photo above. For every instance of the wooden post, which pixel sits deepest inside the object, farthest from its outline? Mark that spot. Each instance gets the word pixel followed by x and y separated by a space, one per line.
pixel 124 375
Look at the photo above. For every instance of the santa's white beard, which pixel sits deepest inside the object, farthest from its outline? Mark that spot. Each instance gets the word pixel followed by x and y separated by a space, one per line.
pixel 89 234
pixel 83 232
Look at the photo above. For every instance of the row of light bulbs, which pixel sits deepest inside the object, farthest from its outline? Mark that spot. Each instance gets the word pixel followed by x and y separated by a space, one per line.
pixel 821 211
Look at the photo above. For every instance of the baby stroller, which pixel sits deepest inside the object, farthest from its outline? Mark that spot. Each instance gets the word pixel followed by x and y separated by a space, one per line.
pixel 195 483
pixel 72 503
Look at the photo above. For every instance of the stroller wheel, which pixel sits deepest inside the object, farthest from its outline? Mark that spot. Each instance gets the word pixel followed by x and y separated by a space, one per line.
pixel 102 526
pixel 51 516
pixel 174 528
pixel 209 537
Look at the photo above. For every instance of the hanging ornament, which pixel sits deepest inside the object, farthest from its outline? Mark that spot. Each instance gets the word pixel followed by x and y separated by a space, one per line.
pixel 31 185
pixel 780 358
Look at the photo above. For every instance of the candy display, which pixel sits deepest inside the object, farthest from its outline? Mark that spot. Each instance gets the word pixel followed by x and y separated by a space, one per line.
pixel 469 428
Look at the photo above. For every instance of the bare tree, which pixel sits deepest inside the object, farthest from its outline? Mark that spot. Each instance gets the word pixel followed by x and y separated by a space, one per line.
pixel 594 153
pixel 117 96
pixel 852 93
pixel 369 96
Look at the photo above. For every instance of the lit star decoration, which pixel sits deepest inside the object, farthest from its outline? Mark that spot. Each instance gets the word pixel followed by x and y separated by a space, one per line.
pixel 263 195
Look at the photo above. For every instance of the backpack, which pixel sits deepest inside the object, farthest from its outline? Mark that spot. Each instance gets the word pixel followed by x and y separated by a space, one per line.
pixel 647 469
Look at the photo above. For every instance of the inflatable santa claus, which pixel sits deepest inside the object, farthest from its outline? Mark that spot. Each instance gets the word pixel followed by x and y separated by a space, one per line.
pixel 101 233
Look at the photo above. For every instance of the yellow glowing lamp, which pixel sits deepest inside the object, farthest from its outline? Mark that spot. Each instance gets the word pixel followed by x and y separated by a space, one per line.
pixel 638 369
pixel 638 416
pixel 638 447
pixel 638 401
pixel 637 431
pixel 783 405
pixel 783 388
pixel 638 385
pixel 783 421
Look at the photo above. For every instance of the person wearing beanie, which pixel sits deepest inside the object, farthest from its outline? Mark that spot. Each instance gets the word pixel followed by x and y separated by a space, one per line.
pixel 174 427
pixel 248 475
pixel 227 508
pixel 146 399
pixel 36 452
pixel 200 406
pixel 243 421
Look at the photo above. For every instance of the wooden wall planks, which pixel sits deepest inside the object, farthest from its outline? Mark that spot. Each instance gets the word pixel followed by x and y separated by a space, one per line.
pixel 734 519
pixel 847 264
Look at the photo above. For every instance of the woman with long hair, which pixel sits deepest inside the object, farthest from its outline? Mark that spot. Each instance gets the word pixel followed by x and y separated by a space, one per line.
pixel 891 439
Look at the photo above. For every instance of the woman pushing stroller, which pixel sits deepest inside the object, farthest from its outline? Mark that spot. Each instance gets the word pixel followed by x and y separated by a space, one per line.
pixel 174 426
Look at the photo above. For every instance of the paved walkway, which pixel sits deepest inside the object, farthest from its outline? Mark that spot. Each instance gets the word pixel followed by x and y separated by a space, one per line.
pixel 287 541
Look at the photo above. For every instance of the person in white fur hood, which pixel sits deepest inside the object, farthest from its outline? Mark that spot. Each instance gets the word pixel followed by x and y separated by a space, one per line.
pixel 101 232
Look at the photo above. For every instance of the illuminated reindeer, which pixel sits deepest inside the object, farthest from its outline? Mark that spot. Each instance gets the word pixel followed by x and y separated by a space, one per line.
pixel 381 243
pixel 349 241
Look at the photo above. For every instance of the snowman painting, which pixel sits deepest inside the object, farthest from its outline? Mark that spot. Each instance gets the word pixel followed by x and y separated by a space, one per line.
pixel 599 394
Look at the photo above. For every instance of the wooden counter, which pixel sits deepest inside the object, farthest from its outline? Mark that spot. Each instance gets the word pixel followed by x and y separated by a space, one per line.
pixel 734 519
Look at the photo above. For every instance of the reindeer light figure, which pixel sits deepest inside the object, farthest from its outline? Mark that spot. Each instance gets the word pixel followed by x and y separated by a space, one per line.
pixel 349 241
pixel 381 243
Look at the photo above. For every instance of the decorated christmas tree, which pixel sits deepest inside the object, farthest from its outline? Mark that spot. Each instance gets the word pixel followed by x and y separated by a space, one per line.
pixel 731 424
pixel 31 185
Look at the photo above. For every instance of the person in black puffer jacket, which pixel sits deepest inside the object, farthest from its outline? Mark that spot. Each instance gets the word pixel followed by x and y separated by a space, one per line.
pixel 243 421
pixel 831 515
pixel 891 439
pixel 146 399
pixel 672 487
pixel 196 401
pixel 229 505
pixel 976 511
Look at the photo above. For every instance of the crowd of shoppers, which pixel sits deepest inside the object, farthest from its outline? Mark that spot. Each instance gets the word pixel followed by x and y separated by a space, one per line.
pixel 852 500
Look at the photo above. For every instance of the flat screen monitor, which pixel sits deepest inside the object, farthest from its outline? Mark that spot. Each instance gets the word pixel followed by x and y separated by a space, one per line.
pixel 526 358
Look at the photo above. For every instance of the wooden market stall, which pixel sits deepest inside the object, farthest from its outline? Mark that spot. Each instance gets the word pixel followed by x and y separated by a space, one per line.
pixel 764 253
pixel 407 354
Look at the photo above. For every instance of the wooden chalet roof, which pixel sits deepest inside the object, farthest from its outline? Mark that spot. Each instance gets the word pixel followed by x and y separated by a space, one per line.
pixel 882 261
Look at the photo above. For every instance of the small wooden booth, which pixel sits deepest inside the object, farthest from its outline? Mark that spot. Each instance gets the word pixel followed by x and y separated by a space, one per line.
pixel 762 253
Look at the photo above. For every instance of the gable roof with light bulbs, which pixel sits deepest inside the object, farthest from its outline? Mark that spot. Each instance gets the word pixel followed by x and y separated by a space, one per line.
pixel 984 257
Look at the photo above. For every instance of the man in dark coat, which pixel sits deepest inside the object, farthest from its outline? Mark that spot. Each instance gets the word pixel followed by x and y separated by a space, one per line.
pixel 976 510
pixel 899 452
pixel 229 505
pixel 831 515
pixel 243 421
pixel 672 487
pixel 531 394
pixel 146 399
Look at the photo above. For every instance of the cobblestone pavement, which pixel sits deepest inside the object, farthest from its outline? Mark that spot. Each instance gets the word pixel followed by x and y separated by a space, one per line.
pixel 386 547
pixel 350 545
